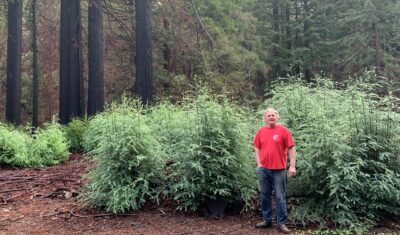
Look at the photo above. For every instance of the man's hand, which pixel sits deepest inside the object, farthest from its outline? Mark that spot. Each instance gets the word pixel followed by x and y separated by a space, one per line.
pixel 292 156
pixel 292 171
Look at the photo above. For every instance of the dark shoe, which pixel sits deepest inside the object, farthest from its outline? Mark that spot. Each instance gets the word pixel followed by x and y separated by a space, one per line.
pixel 282 228
pixel 264 224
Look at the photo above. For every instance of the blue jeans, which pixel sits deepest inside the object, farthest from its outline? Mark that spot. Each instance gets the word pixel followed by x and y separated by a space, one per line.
pixel 273 180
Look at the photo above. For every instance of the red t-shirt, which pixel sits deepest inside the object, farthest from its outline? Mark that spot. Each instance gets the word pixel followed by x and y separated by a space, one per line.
pixel 274 144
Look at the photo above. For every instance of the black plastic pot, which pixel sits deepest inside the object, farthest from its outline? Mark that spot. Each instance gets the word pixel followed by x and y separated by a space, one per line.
pixel 214 208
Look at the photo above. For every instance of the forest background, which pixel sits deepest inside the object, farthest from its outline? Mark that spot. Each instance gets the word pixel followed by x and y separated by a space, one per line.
pixel 332 69
pixel 236 46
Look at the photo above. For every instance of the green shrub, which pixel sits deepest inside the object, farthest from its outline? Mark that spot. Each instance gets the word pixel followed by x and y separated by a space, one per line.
pixel 95 125
pixel 45 147
pixel 348 144
pixel 94 131
pixel 128 160
pixel 49 147
pixel 74 133
pixel 14 146
pixel 209 150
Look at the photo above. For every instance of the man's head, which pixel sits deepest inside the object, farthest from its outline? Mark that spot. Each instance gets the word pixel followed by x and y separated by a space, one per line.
pixel 271 117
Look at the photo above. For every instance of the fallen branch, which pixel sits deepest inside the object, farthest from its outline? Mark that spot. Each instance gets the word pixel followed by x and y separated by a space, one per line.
pixel 7 199
pixel 16 178
pixel 52 214
pixel 13 190
pixel 99 215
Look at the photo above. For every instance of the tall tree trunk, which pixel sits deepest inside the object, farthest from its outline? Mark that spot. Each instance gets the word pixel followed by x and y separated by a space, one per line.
pixel 166 49
pixel 288 37
pixel 76 66
pixel 296 37
pixel 35 80
pixel 287 24
pixel 71 76
pixel 144 69
pixel 96 66
pixel 14 41
pixel 307 70
pixel 377 40
pixel 64 61
pixel 276 36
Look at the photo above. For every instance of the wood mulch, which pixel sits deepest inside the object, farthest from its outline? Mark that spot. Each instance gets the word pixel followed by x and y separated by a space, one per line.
pixel 45 201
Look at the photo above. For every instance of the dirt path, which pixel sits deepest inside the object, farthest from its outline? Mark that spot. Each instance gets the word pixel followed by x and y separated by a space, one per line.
pixel 44 201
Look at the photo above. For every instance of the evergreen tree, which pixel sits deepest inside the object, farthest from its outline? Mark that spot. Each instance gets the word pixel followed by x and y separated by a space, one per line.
pixel 365 37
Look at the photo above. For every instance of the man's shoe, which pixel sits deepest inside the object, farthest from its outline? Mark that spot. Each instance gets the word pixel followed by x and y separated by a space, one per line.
pixel 282 228
pixel 264 224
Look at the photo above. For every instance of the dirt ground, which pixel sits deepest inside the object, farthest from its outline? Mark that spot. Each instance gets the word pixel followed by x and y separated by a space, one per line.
pixel 44 201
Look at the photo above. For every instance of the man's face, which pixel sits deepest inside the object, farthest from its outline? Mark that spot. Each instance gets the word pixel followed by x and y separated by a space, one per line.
pixel 271 118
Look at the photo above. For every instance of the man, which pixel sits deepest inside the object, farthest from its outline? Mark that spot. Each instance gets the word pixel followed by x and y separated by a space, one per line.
pixel 272 144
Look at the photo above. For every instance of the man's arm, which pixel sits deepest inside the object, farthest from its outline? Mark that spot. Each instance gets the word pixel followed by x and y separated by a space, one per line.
pixel 258 152
pixel 292 157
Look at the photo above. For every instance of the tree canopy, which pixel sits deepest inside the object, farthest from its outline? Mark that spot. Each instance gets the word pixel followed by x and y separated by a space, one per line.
pixel 236 46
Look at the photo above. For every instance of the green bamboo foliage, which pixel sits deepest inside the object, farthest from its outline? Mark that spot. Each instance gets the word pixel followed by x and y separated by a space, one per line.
pixel 129 161
pixel 50 146
pixel 209 150
pixel 74 133
pixel 348 144
pixel 47 146
pixel 13 146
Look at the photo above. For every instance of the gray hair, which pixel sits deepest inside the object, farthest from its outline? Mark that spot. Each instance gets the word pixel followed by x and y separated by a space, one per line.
pixel 271 110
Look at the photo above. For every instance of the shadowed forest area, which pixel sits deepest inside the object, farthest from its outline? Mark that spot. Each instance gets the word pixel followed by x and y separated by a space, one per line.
pixel 114 112
pixel 236 46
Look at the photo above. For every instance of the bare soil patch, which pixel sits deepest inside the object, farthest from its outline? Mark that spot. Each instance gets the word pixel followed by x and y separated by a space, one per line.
pixel 44 201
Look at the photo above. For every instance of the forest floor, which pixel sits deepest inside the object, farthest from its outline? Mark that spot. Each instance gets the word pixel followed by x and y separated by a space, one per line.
pixel 44 201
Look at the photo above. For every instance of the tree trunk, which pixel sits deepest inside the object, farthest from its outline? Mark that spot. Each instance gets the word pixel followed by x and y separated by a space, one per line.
pixel 71 77
pixel 14 41
pixel 76 66
pixel 35 80
pixel 64 61
pixel 96 66
pixel 287 24
pixel 307 70
pixel 377 40
pixel 288 36
pixel 166 49
pixel 275 37
pixel 144 69
pixel 296 38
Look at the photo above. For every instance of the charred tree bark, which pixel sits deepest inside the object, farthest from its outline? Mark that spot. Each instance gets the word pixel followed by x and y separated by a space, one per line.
pixel 96 66
pixel 144 68
pixel 71 73
pixel 64 61
pixel 35 75
pixel 14 41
